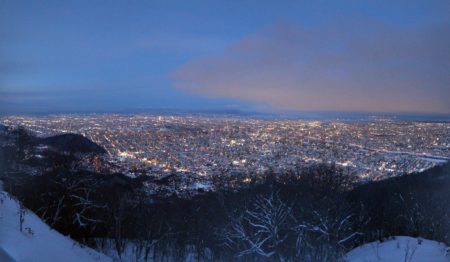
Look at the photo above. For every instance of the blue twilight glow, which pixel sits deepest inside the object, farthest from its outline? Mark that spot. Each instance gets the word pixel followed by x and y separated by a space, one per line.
pixel 72 56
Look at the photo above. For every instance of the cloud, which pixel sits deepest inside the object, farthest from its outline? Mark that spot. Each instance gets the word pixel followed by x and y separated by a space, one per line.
pixel 348 66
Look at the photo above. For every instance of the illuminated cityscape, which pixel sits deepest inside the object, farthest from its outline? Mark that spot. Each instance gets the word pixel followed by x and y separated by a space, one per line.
pixel 199 149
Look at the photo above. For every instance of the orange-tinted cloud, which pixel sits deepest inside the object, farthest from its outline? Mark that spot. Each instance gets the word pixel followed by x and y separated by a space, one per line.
pixel 345 67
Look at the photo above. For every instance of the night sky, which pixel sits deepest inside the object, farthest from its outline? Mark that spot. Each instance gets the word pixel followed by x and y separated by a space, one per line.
pixel 100 56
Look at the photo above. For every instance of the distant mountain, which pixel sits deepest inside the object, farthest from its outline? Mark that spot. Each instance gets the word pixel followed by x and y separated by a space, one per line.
pixel 3 127
pixel 73 143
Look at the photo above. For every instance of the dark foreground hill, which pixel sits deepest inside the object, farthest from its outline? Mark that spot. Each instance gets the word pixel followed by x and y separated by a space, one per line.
pixel 21 150
pixel 73 143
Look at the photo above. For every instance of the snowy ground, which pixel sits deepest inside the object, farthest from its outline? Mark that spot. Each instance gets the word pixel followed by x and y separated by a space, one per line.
pixel 403 249
pixel 38 242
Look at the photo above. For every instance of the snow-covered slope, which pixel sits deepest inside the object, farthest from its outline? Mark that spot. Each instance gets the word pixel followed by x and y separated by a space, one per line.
pixel 38 242
pixel 403 249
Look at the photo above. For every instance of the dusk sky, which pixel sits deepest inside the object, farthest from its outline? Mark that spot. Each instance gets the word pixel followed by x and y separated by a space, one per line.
pixel 87 56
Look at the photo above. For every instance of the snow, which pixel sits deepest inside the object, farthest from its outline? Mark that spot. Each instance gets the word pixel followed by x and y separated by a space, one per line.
pixel 38 242
pixel 435 160
pixel 400 248
pixel 200 185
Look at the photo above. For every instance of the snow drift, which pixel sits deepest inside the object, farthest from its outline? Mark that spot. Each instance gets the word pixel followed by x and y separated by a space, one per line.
pixel 400 248
pixel 37 241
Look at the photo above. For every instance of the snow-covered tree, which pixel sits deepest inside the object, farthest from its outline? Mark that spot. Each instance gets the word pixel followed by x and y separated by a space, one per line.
pixel 262 229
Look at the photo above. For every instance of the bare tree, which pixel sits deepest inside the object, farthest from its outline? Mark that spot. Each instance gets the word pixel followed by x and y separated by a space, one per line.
pixel 260 230
pixel 22 211
pixel 80 193
pixel 70 202
pixel 322 233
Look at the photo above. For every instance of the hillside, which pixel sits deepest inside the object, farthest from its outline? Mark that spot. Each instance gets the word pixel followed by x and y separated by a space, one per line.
pixel 38 242
pixel 73 143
